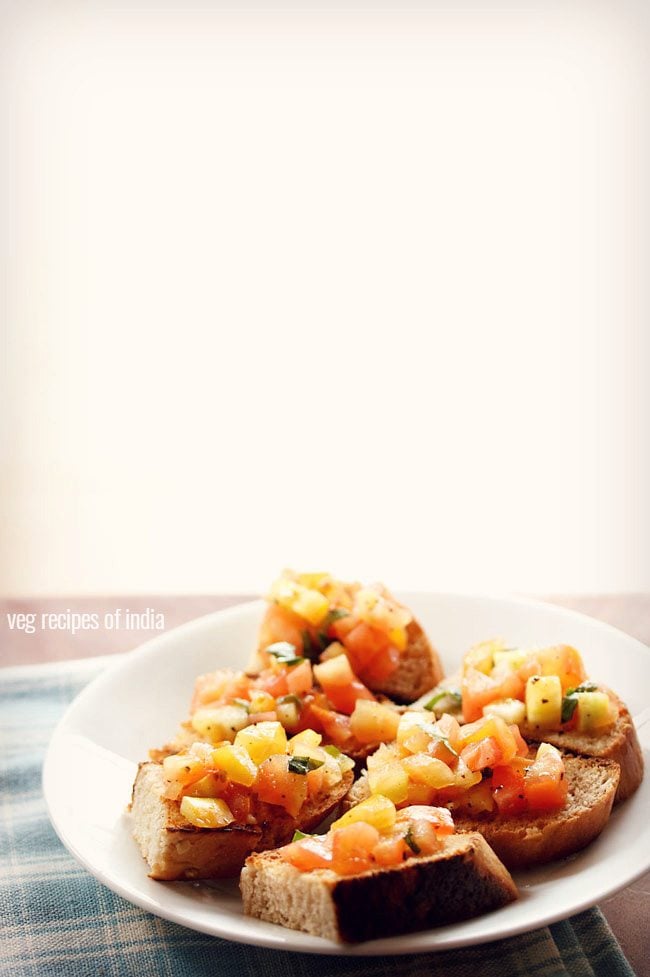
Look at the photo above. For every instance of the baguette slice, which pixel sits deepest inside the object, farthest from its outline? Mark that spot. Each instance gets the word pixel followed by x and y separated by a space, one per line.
pixel 619 743
pixel 463 879
pixel 534 839
pixel 176 849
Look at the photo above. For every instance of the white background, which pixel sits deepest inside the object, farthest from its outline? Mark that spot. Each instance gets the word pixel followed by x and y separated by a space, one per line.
pixel 355 290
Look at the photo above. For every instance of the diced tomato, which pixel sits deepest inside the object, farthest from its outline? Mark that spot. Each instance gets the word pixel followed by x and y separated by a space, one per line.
pixel 420 794
pixel 477 689
pixel 352 847
pixel 423 837
pixel 545 782
pixel 276 784
pixel 340 684
pixel 342 627
pixel 449 727
pixel 238 800
pixel 363 643
pixel 483 753
pixel 300 678
pixel 219 686
pixel 495 727
pixel 564 661
pixel 334 726
pixel 390 851
pixel 381 666
pixel 315 781
pixel 273 682
pixel 280 624
pixel 309 853
pixel 439 817
pixel 520 742
pixel 508 789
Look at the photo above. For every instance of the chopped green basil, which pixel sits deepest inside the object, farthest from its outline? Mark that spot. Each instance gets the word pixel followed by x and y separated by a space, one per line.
pixel 334 615
pixel 332 750
pixel 570 700
pixel 285 653
pixel 299 835
pixel 411 842
pixel 452 694
pixel 303 764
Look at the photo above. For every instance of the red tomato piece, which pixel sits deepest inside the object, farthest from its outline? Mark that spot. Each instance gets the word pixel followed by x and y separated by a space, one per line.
pixel 483 753
pixel 352 848
pixel 309 853
pixel 508 789
pixel 545 782
pixel 300 678
pixel 276 784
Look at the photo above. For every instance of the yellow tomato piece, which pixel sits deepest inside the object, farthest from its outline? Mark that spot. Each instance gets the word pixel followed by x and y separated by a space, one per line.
pixel 236 763
pixel 262 740
pixel 544 700
pixel 373 722
pixel 308 604
pixel 218 723
pixel 183 769
pixel 206 812
pixel 307 736
pixel 391 780
pixel 379 811
pixel 423 769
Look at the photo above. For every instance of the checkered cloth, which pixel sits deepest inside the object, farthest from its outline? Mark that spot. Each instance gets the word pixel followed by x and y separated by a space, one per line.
pixel 57 921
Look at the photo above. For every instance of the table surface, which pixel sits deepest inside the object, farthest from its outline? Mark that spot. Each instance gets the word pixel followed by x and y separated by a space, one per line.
pixel 627 912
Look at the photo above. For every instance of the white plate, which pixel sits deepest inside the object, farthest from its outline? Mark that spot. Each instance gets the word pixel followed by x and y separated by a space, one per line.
pixel 137 704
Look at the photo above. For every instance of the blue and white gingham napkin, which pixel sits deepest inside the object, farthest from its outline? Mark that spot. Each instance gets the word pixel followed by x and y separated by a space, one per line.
pixel 56 920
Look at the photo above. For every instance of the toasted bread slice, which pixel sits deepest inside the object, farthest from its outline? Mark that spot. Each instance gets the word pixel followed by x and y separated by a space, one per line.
pixel 619 743
pixel 463 879
pixel 176 849
pixel 534 839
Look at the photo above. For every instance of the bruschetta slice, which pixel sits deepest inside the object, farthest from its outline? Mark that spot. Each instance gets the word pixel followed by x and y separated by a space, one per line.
pixel 387 648
pixel 548 694
pixel 376 873
pixel 199 813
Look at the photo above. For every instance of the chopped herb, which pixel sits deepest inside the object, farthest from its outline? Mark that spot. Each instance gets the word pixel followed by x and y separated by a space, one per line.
pixel 570 700
pixel 452 694
pixel 242 703
pixel 303 764
pixel 332 750
pixel 334 615
pixel 299 835
pixel 411 842
pixel 285 653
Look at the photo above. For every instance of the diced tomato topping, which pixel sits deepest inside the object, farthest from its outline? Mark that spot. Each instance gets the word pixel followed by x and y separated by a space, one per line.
pixel 238 800
pixel 565 661
pixel 362 644
pixel 334 726
pixel 340 684
pixel 352 847
pixel 477 689
pixel 275 683
pixel 309 853
pixel 508 790
pixel 280 624
pixel 483 753
pixel 219 686
pixel 390 851
pixel 276 784
pixel 449 727
pixel 382 665
pixel 545 782
pixel 520 742
pixel 300 678
pixel 439 817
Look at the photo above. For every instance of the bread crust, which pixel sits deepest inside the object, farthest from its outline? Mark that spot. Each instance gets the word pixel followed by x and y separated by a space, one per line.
pixel 175 849
pixel 463 879
pixel 535 839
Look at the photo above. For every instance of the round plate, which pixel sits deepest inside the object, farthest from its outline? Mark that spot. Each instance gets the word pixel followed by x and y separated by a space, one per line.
pixel 138 703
